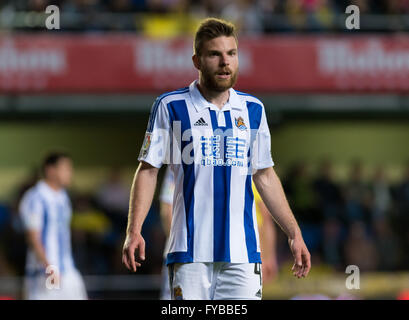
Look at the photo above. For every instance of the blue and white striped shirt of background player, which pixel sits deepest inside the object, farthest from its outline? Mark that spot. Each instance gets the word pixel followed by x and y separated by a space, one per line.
pixel 214 215
pixel 48 212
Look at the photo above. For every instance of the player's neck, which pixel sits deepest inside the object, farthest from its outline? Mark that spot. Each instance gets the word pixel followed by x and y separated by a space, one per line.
pixel 219 99
pixel 53 185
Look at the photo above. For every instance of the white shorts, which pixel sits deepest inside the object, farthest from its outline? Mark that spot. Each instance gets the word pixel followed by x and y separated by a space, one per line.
pixel 215 281
pixel 71 288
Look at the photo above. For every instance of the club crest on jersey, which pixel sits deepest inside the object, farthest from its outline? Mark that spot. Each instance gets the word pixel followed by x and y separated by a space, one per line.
pixel 240 123
pixel 146 144
pixel 177 293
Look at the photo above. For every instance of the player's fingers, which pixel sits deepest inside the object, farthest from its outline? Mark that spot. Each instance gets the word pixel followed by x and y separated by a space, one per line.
pixel 142 250
pixel 295 265
pixel 297 261
pixel 299 271
pixel 125 260
pixel 296 270
pixel 307 264
pixel 131 258
pixel 307 269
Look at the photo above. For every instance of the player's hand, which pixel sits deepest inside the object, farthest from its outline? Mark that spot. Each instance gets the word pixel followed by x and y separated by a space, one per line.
pixel 132 243
pixel 302 257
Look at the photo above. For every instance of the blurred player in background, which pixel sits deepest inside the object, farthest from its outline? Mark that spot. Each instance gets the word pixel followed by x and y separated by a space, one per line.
pixel 264 222
pixel 214 250
pixel 46 212
pixel 166 200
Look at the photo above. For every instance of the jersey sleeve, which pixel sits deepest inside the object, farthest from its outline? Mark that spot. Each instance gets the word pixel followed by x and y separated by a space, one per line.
pixel 155 147
pixel 31 212
pixel 263 157
pixel 168 187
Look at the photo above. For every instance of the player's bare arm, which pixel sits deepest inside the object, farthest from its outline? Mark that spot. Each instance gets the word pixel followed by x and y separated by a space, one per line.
pixel 271 191
pixel 142 191
pixel 166 216
pixel 33 239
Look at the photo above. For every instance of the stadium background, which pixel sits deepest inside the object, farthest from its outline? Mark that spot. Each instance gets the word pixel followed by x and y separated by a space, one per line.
pixel 336 100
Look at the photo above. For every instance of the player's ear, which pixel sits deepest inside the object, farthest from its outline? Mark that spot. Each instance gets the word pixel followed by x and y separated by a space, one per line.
pixel 196 61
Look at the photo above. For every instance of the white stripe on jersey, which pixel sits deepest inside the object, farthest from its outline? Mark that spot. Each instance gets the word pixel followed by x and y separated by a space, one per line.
pixel 214 216
pixel 48 212
pixel 168 187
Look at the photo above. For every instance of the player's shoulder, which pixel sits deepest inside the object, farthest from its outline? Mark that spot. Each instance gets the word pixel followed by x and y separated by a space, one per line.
pixel 66 197
pixel 31 192
pixel 246 97
pixel 31 196
pixel 172 95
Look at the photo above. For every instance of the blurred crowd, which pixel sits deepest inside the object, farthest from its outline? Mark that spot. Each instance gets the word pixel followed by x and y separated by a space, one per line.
pixel 251 16
pixel 363 222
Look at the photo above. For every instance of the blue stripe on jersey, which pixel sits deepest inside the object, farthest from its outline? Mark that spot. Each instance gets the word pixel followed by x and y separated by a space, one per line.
pixel 251 241
pixel 245 94
pixel 61 235
pixel 178 112
pixel 68 252
pixel 221 195
pixel 44 231
pixel 255 113
pixel 155 106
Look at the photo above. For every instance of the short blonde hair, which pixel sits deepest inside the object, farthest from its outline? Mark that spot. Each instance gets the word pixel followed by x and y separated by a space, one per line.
pixel 212 28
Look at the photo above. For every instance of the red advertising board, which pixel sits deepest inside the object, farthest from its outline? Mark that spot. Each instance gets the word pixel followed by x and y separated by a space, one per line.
pixel 125 63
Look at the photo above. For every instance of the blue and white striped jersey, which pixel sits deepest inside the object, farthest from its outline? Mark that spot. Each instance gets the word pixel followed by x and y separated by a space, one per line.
pixel 212 154
pixel 48 212
pixel 168 187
